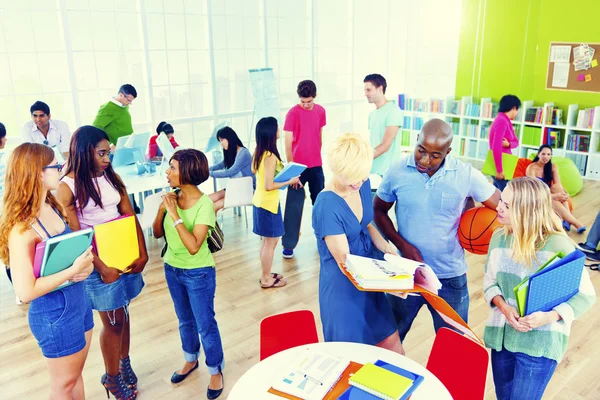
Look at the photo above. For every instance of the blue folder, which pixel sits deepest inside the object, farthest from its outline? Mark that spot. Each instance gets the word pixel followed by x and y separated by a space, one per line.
pixel 555 284
pixel 354 393
pixel 288 172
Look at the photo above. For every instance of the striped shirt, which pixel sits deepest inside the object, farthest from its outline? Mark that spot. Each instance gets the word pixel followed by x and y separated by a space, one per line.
pixel 502 274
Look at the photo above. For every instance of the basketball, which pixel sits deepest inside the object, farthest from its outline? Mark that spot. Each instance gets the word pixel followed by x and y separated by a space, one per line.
pixel 476 228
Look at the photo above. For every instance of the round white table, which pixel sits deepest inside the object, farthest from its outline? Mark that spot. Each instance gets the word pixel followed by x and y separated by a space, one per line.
pixel 258 379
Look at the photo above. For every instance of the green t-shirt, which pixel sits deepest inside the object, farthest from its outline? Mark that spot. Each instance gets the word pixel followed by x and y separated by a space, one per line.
pixel 387 115
pixel 114 120
pixel 177 255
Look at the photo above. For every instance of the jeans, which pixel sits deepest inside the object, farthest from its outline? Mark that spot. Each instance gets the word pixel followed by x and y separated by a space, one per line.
pixel 594 236
pixel 454 291
pixel 500 184
pixel 519 376
pixel 193 294
pixel 294 204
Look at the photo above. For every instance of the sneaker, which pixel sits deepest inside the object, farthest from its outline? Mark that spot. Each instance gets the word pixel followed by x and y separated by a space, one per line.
pixel 566 226
pixel 587 249
pixel 288 253
pixel 593 256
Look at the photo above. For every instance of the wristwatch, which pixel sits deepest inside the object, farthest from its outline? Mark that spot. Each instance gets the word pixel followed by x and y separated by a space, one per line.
pixel 179 221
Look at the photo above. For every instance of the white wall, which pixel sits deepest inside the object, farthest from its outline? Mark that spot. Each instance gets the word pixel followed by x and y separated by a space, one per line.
pixel 189 59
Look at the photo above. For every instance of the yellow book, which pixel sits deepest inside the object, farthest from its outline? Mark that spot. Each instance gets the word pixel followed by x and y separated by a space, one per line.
pixel 117 242
pixel 380 382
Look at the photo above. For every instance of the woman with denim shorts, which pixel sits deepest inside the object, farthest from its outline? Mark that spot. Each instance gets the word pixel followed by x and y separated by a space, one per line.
pixel 92 193
pixel 186 218
pixel 60 318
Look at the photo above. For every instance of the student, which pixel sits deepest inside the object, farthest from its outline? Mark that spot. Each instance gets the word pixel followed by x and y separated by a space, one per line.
pixel 44 129
pixel 590 247
pixel 502 135
pixel 384 123
pixel 430 189
pixel 303 142
pixel 341 219
pixel 526 350
pixel 113 117
pixel 61 320
pixel 186 217
pixel 92 193
pixel 237 163
pixel 542 168
pixel 266 211
pixel 169 132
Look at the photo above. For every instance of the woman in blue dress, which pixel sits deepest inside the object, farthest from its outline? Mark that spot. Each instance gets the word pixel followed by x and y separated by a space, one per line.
pixel 341 219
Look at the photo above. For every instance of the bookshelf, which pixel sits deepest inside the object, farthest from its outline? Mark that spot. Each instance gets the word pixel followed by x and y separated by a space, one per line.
pixel 573 133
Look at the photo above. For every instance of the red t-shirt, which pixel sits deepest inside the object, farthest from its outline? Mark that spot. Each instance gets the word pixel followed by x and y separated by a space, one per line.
pixel 306 128
pixel 153 149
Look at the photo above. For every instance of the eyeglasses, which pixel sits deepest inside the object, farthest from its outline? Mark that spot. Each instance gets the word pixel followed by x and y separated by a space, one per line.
pixel 58 167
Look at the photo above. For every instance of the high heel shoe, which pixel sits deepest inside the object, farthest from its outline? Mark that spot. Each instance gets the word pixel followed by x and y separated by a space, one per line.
pixel 127 373
pixel 214 393
pixel 118 388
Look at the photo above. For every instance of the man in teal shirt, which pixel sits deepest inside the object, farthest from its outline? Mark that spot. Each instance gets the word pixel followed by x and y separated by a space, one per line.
pixel 113 117
pixel 384 123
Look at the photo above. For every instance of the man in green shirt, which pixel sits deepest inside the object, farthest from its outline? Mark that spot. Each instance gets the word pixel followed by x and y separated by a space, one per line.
pixel 384 123
pixel 113 117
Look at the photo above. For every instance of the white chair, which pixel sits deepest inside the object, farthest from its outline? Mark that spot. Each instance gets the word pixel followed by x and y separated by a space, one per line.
pixel 239 193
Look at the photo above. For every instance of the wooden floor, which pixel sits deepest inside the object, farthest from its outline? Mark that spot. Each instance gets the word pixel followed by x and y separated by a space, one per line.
pixel 240 306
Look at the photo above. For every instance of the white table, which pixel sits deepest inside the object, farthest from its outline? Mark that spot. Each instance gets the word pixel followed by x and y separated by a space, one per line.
pixel 258 379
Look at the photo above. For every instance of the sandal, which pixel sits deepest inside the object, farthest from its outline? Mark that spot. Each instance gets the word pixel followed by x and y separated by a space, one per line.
pixel 275 284
pixel 275 275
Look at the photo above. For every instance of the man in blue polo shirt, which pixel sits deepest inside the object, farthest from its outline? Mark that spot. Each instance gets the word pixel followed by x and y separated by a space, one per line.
pixel 430 189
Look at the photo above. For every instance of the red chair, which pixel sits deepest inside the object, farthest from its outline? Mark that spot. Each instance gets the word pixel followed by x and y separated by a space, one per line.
pixel 460 363
pixel 286 330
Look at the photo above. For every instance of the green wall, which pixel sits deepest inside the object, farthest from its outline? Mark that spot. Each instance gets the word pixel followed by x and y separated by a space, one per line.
pixel 504 47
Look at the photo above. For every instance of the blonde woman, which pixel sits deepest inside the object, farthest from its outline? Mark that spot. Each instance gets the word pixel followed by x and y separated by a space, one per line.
pixel 526 350
pixel 341 219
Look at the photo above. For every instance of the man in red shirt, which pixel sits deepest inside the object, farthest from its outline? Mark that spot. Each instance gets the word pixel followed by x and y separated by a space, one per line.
pixel 303 129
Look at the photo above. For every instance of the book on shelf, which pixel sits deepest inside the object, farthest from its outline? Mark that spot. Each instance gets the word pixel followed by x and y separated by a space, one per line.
pixel 580 161
pixel 455 126
pixel 585 118
pixel 470 130
pixel 489 110
pixel 472 110
pixel 534 115
pixel 454 107
pixel 484 132
pixel 554 137
pixel 409 104
pixel 579 142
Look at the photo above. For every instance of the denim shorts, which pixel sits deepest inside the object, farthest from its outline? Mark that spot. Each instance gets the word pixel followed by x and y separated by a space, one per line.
pixel 59 320
pixel 112 296
pixel 267 224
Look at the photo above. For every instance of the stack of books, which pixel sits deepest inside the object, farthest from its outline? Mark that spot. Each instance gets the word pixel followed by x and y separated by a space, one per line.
pixel 534 114
pixel 382 380
pixel 585 118
pixel 489 110
pixel 579 143
pixel 472 110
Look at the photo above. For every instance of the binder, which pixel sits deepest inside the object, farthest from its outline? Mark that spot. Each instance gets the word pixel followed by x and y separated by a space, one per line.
pixel 509 164
pixel 288 172
pixel 116 242
pixel 522 288
pixel 555 284
pixel 60 252
pixel 381 382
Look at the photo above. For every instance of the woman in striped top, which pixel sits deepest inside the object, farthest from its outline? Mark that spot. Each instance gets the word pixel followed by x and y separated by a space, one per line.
pixel 526 350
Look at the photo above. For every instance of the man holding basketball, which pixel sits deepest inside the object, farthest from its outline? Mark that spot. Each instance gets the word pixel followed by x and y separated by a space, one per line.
pixel 430 189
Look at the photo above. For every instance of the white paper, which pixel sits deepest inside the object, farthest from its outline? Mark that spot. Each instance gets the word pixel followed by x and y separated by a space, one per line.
pixel 561 74
pixel 560 53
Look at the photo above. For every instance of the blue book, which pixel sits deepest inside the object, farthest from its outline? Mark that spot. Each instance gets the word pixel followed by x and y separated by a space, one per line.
pixel 288 172
pixel 354 393
pixel 555 284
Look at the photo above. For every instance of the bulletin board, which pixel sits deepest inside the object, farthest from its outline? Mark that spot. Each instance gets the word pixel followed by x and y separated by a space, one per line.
pixel 573 83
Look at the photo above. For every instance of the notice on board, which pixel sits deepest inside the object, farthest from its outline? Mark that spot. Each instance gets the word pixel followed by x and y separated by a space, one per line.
pixel 561 74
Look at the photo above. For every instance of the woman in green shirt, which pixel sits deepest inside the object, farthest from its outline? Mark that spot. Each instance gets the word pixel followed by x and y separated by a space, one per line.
pixel 186 218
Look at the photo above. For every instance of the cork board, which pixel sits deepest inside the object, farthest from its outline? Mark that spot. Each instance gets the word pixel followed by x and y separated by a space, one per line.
pixel 573 84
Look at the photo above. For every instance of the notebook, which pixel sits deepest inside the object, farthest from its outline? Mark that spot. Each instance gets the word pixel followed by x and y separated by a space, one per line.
pixel 398 274
pixel 288 172
pixel 509 164
pixel 555 284
pixel 312 375
pixel 354 393
pixel 522 288
pixel 381 382
pixel 116 242
pixel 60 252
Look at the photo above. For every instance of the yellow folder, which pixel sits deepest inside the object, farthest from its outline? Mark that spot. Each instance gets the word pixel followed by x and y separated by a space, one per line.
pixel 117 242
pixel 380 382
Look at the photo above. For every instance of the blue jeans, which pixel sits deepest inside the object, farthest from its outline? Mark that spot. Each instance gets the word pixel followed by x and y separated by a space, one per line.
pixel 193 294
pixel 594 236
pixel 519 376
pixel 454 291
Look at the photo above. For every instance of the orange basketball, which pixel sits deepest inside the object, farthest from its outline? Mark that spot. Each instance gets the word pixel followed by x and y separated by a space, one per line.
pixel 476 228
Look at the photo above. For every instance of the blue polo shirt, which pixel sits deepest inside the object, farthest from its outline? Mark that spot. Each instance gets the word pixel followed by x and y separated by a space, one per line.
pixel 428 209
